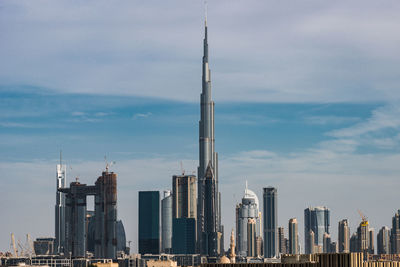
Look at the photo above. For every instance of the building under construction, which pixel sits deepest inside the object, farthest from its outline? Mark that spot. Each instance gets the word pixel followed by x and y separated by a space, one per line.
pixel 105 214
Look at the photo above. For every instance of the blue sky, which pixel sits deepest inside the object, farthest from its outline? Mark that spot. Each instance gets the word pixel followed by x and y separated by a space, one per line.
pixel 306 94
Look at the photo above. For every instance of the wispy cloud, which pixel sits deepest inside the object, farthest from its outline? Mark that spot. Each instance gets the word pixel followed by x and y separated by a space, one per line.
pixel 330 120
pixel 141 115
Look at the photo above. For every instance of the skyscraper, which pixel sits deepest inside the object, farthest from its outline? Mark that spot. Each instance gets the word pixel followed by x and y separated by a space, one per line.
pixel 327 243
pixel 383 241
pixel 149 222
pixel 293 236
pixel 354 243
pixel 184 196
pixel 363 237
pixel 166 222
pixel 106 216
pixel 318 220
pixel 344 236
pixel 184 213
pixel 395 234
pixel 270 222
pixel 209 229
pixel 61 174
pixel 251 237
pixel 371 239
pixel 281 241
pixel 247 209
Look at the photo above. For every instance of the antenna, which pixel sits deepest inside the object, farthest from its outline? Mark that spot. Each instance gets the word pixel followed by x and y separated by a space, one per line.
pixel 60 157
pixel 205 11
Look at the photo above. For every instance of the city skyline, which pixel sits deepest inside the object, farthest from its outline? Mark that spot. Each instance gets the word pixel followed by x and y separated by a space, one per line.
pixel 336 141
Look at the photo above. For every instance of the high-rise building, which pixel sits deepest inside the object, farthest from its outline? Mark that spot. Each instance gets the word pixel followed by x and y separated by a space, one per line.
pixel 166 222
pixel 210 230
pixel 383 241
pixel 363 237
pixel 184 206
pixel 184 198
pixel 318 220
pixel 44 246
pixel 105 216
pixel 310 239
pixel 344 236
pixel 184 235
pixel 149 222
pixel 281 241
pixel 395 234
pixel 247 209
pixel 354 243
pixel 251 238
pixel 270 222
pixel 327 243
pixel 371 239
pixel 61 176
pixel 293 237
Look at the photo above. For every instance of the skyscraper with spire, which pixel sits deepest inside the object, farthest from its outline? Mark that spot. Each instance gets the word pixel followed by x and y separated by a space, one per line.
pixel 209 210
pixel 61 173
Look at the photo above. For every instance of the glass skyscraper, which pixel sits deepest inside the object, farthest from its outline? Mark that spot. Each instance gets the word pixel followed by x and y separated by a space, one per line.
pixel 270 197
pixel 149 222
pixel 318 220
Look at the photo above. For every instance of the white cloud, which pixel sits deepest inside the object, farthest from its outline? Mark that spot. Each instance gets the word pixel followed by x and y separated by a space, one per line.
pixel 259 51
pixel 142 115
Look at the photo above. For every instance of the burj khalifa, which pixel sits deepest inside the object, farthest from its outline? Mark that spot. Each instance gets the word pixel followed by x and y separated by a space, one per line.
pixel 209 228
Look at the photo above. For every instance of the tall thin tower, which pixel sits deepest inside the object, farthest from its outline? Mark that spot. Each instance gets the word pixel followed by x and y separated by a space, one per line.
pixel 61 176
pixel 208 164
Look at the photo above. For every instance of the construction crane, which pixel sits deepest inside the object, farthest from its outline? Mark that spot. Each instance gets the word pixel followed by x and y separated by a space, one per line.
pixel 364 219
pixel 108 164
pixel 29 246
pixel 13 247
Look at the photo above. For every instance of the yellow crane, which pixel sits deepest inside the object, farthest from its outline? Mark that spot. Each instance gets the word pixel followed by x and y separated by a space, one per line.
pixel 363 218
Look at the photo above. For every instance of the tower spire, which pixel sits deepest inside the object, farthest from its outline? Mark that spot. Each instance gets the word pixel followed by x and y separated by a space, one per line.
pixel 205 12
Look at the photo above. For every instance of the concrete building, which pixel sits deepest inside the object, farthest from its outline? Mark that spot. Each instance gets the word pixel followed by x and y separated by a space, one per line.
pixel 363 237
pixel 166 222
pixel 105 211
pixel 210 230
pixel 371 241
pixel 184 207
pixel 149 222
pixel 61 176
pixel 383 241
pixel 327 243
pixel 247 209
pixel 344 236
pixel 184 196
pixel 293 247
pixel 105 193
pixel 281 241
pixel 395 234
pixel 316 219
pixel 270 222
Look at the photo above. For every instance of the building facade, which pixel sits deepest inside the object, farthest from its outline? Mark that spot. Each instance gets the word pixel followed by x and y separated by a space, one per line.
pixel 344 236
pixel 293 247
pixel 209 228
pixel 166 222
pixel 149 222
pixel 395 234
pixel 61 176
pixel 247 209
pixel 383 241
pixel 270 222
pixel 316 219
